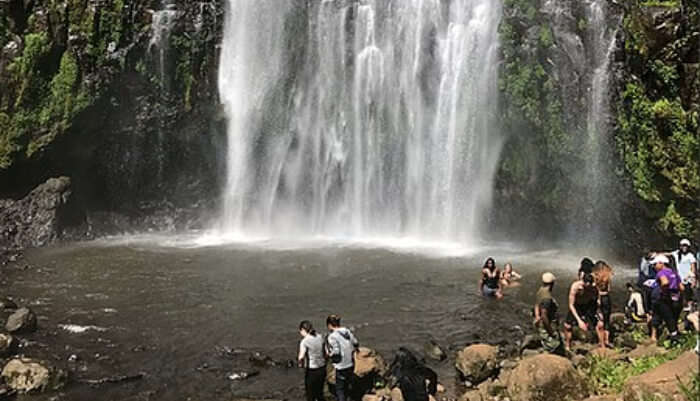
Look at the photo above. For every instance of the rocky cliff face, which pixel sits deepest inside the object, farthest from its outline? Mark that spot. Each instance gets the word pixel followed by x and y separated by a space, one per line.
pixel 625 173
pixel 657 127
pixel 120 96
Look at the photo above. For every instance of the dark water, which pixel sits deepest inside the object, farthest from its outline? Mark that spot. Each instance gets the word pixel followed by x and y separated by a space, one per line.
pixel 167 311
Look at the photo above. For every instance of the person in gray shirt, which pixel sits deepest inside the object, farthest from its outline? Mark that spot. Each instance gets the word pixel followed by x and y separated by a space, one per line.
pixel 312 357
pixel 341 347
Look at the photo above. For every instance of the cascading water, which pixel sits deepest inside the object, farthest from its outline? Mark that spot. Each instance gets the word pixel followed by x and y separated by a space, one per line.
pixel 161 27
pixel 601 42
pixel 360 118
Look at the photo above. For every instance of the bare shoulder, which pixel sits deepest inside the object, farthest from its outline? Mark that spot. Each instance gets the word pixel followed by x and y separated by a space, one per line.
pixel 577 286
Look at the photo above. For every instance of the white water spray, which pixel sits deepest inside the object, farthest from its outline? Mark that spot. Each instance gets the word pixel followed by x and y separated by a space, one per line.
pixel 602 44
pixel 360 118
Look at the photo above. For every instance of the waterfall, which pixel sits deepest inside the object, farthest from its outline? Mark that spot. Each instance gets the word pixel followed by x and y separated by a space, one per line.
pixel 360 118
pixel 161 26
pixel 601 43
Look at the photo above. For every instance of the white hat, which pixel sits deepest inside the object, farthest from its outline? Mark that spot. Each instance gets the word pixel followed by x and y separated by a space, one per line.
pixel 685 241
pixel 548 278
pixel 660 259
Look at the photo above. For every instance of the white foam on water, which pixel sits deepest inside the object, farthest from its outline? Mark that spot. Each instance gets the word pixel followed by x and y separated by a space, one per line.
pixel 214 239
pixel 78 329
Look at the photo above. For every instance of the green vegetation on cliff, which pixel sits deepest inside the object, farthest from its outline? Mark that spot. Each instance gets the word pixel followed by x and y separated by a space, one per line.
pixel 540 156
pixel 654 147
pixel 658 130
pixel 62 56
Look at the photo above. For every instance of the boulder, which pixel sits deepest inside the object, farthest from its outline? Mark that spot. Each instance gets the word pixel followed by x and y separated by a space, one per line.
pixel 24 375
pixel 477 363
pixel 625 340
pixel 368 362
pixel 606 353
pixel 617 322
pixel 486 391
pixel 531 341
pixel 662 381
pixel 38 218
pixel 22 321
pixel 530 352
pixel 537 378
pixel 578 360
pixel 434 351
pixel 471 395
pixel 8 345
pixel 646 350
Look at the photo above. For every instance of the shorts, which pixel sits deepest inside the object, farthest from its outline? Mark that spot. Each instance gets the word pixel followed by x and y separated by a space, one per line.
pixel 489 292
pixel 688 293
pixel 588 313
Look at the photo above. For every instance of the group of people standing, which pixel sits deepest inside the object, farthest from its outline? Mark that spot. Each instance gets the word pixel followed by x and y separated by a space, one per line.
pixel 315 349
pixel 666 285
pixel 665 288
pixel 589 307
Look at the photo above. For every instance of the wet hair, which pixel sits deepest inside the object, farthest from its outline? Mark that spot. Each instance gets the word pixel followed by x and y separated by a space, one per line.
pixel 307 327
pixel 407 368
pixel 486 264
pixel 586 266
pixel 602 273
pixel 588 278
pixel 333 320
pixel 507 265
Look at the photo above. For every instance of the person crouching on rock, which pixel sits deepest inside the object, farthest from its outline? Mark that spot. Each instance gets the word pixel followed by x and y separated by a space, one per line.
pixel 490 285
pixel 341 346
pixel 547 316
pixel 635 312
pixel 313 359
pixel 583 309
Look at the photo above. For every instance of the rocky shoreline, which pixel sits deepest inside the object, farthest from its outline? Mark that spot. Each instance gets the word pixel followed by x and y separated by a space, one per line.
pixel 50 213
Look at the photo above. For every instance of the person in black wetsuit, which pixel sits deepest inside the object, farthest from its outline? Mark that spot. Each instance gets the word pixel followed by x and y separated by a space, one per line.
pixel 490 285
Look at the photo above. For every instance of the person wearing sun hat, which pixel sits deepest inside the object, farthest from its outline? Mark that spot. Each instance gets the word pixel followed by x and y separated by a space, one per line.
pixel 666 298
pixel 547 316
pixel 687 266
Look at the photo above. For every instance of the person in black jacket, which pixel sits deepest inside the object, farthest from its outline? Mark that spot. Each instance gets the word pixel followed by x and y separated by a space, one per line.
pixel 416 381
